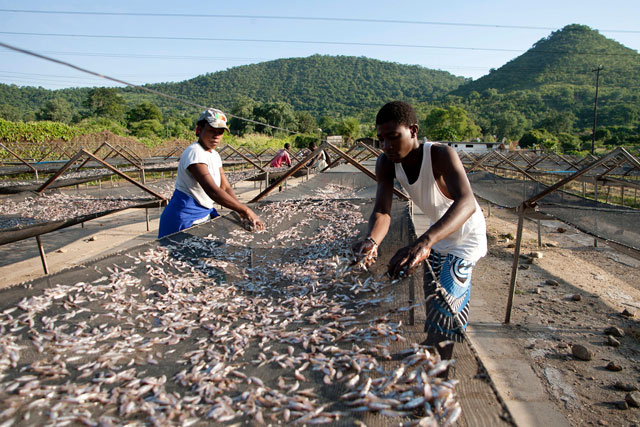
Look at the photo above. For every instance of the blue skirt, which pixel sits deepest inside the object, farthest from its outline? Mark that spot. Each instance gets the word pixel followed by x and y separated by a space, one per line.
pixel 181 212
pixel 447 295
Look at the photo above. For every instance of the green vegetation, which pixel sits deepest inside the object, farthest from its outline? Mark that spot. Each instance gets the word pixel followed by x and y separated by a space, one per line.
pixel 544 97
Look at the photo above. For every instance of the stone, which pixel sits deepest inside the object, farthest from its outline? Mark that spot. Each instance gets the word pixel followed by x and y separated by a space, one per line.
pixel 633 399
pixel 613 366
pixel 622 405
pixel 61 250
pixel 581 352
pixel 612 341
pixel 551 245
pixel 563 345
pixel 614 331
pixel 576 297
pixel 602 423
pixel 552 282
pixel 536 254
pixel 538 291
pixel 524 267
pixel 92 239
pixel 561 230
pixel 619 385
pixel 627 313
pixel 511 245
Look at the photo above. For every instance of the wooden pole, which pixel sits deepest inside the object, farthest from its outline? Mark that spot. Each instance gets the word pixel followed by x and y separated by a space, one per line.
pixel 363 169
pixel 516 261
pixel 43 257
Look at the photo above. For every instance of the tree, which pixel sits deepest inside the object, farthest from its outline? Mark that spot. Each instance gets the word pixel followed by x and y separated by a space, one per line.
pixel 279 114
pixel 55 110
pixel 7 112
pixel 144 111
pixel 306 122
pixel 557 121
pixel 349 127
pixel 569 142
pixel 329 125
pixel 538 138
pixel 106 102
pixel 147 128
pixel 243 107
pixel 509 125
pixel 451 124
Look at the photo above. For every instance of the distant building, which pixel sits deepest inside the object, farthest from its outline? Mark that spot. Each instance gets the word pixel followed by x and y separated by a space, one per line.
pixel 475 147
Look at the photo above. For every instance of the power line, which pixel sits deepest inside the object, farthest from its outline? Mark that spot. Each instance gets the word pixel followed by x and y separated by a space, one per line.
pixel 320 42
pixel 298 18
pixel 146 89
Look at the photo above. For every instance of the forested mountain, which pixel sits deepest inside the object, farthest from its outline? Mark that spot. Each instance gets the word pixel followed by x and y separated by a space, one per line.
pixel 565 57
pixel 552 86
pixel 318 84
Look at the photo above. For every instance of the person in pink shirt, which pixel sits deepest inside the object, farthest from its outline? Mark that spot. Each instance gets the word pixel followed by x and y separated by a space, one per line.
pixel 281 157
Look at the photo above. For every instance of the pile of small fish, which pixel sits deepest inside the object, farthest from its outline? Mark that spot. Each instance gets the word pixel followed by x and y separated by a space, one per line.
pixel 60 206
pixel 269 327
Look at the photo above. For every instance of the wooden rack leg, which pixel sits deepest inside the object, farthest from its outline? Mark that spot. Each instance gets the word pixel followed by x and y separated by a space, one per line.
pixel 43 256
pixel 146 212
pixel 539 235
pixel 514 267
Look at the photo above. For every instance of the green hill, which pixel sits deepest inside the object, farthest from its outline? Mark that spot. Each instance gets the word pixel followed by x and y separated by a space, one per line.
pixel 552 86
pixel 318 84
pixel 565 57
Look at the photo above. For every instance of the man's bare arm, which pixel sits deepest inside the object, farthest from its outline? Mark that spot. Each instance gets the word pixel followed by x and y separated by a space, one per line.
pixel 453 182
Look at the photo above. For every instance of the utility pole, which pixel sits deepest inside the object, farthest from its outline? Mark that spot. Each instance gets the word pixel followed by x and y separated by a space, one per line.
pixel 595 109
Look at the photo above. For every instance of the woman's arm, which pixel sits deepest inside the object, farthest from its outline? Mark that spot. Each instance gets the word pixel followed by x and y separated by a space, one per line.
pixel 218 194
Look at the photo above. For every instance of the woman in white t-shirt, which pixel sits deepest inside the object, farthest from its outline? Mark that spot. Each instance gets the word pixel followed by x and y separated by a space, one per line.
pixel 201 181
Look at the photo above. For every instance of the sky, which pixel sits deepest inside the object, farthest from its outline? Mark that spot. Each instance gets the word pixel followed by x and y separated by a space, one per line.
pixel 140 41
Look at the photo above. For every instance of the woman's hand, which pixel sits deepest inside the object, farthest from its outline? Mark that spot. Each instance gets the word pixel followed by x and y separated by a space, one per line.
pixel 405 261
pixel 253 221
pixel 366 251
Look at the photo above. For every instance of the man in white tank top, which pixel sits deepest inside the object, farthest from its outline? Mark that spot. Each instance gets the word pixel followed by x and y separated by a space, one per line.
pixel 435 178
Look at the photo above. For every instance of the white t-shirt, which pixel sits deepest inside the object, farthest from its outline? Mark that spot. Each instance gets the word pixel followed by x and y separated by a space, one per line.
pixel 469 241
pixel 185 181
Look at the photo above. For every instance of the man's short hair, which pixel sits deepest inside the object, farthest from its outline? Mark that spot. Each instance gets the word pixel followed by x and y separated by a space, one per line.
pixel 287 145
pixel 398 111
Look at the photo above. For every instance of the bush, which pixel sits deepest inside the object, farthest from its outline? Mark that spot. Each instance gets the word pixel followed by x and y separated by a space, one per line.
pixel 99 124
pixel 147 129
pixel 538 138
pixel 36 131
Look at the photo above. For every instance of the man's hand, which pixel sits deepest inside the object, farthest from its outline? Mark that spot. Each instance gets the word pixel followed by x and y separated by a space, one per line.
pixel 253 221
pixel 366 251
pixel 405 261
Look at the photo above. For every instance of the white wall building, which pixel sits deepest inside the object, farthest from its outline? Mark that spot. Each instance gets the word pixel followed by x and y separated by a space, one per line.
pixel 474 147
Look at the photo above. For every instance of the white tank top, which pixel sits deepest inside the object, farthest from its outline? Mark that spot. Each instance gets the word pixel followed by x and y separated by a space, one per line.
pixel 469 241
